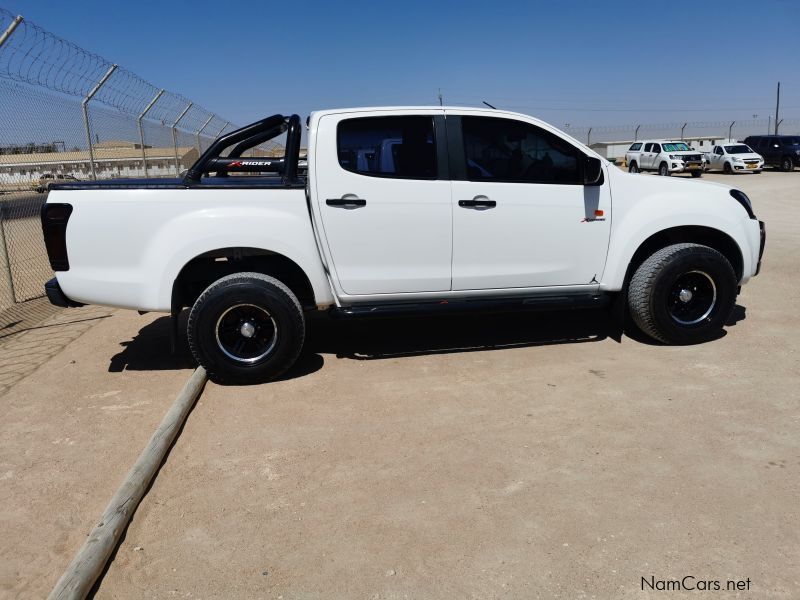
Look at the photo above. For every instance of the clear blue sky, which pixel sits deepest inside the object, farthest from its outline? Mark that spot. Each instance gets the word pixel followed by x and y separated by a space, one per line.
pixel 579 62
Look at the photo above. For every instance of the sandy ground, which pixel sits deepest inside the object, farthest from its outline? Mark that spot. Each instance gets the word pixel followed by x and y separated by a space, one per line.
pixel 70 431
pixel 504 456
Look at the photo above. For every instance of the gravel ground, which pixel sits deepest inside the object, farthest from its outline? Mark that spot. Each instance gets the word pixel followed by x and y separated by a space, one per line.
pixel 502 456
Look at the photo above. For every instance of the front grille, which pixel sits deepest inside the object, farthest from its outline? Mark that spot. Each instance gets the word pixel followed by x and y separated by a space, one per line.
pixel 691 158
pixel 751 161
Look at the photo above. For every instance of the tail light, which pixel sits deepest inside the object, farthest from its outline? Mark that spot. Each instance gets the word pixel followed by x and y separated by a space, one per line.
pixel 54 227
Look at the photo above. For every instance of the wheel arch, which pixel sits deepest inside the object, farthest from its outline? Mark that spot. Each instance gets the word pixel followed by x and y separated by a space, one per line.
pixel 693 234
pixel 204 269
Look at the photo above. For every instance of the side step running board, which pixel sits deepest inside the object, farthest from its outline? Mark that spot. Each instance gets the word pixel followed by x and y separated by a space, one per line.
pixel 461 306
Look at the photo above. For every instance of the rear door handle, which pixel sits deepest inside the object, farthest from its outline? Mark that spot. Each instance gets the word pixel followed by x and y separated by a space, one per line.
pixel 348 203
pixel 478 203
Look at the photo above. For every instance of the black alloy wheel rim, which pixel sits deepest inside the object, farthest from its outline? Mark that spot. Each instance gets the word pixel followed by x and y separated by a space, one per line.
pixel 691 298
pixel 246 333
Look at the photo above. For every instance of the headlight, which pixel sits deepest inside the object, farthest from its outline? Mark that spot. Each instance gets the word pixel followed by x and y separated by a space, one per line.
pixel 737 159
pixel 671 157
pixel 742 199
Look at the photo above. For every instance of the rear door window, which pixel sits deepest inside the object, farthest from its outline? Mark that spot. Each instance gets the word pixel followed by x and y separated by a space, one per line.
pixel 398 147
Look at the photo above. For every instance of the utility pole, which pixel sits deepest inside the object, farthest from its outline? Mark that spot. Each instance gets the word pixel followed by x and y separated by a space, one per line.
pixel 777 108
pixel 682 128
pixel 440 96
pixel 730 130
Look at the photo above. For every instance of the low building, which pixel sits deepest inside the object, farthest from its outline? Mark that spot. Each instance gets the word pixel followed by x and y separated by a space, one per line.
pixel 113 159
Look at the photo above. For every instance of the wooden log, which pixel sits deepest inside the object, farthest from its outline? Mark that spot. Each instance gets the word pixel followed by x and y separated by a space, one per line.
pixel 85 568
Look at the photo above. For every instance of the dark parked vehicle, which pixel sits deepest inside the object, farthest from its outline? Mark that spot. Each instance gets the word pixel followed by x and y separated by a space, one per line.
pixel 782 151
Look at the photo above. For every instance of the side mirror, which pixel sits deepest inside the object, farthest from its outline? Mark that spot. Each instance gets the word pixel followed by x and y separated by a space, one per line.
pixel 592 171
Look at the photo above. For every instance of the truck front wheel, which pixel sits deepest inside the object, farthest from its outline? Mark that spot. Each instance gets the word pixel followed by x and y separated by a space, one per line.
pixel 663 169
pixel 682 294
pixel 246 328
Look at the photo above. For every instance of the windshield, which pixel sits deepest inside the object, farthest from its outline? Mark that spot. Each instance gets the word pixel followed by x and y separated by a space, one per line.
pixel 791 141
pixel 677 147
pixel 740 149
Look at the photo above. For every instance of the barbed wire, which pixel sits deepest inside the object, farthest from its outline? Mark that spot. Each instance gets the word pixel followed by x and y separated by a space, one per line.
pixel 37 57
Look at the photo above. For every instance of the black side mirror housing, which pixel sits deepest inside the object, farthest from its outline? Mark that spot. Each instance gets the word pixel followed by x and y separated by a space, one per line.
pixel 592 171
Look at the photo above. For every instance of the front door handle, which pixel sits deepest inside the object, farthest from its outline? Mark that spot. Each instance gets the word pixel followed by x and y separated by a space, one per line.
pixel 478 203
pixel 348 203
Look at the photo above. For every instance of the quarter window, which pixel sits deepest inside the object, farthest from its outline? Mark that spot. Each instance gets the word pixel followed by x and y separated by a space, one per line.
pixel 400 147
pixel 635 147
pixel 513 151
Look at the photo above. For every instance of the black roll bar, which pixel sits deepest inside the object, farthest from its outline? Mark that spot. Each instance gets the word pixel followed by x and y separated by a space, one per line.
pixel 248 137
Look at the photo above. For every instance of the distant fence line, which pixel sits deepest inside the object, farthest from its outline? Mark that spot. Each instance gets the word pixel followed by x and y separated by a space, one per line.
pixel 736 129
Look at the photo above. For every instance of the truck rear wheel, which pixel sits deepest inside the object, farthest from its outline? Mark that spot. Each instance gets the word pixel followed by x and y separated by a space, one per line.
pixel 682 294
pixel 246 328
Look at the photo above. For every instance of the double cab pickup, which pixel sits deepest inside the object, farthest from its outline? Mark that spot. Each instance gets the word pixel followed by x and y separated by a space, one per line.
pixel 398 211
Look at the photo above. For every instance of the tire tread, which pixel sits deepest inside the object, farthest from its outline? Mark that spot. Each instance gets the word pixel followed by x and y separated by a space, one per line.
pixel 191 325
pixel 641 287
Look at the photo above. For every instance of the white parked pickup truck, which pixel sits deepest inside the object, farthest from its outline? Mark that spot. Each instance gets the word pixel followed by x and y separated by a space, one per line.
pixel 402 210
pixel 734 158
pixel 665 157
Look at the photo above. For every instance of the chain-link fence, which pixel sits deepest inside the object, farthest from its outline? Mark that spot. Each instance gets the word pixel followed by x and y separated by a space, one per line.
pixel 67 114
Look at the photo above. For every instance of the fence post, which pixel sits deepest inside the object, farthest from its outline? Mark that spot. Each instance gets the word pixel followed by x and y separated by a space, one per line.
pixel 175 136
pixel 682 128
pixel 6 256
pixel 223 129
pixel 199 131
pixel 141 129
pixel 10 29
pixel 85 105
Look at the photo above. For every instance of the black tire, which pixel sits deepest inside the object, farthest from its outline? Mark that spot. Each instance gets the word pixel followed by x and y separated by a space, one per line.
pixel 633 167
pixel 663 169
pixel 727 168
pixel 246 328
pixel 696 174
pixel 682 294
pixel 758 172
pixel 787 164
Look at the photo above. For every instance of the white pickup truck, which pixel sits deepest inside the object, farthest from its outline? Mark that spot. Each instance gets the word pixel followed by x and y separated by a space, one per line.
pixel 665 157
pixel 402 210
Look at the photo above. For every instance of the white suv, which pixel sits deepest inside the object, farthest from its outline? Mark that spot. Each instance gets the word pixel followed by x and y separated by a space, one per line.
pixel 665 157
